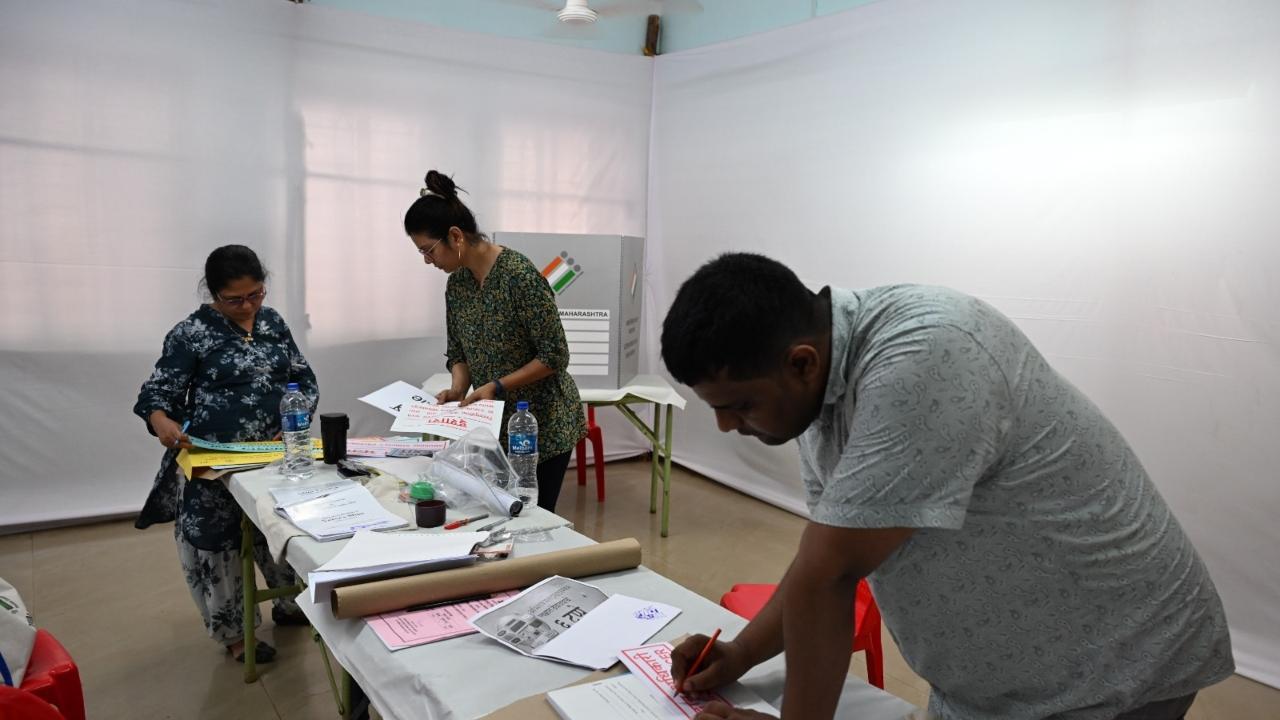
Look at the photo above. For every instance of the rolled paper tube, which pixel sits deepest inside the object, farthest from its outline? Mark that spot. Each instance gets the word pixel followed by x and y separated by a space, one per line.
pixel 496 500
pixel 393 594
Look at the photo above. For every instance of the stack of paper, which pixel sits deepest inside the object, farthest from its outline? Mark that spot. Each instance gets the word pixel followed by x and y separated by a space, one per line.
pixel 396 446
pixel 372 555
pixel 646 693
pixel 572 622
pixel 235 456
pixel 294 494
pixel 450 420
pixel 440 621
pixel 392 398
pixel 350 507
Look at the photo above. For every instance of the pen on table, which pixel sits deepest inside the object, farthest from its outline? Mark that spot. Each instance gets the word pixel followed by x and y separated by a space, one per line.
pixel 492 525
pixel 696 663
pixel 459 523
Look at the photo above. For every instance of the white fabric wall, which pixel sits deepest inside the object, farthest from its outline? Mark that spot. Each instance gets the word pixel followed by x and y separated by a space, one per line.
pixel 1104 172
pixel 137 136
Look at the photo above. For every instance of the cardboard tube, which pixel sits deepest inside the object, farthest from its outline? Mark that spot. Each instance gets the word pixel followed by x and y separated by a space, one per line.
pixel 382 596
pixel 499 501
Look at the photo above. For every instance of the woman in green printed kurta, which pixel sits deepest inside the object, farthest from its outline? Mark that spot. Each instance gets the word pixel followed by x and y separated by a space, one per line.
pixel 505 337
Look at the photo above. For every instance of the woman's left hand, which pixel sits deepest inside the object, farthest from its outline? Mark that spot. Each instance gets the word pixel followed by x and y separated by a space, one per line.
pixel 488 391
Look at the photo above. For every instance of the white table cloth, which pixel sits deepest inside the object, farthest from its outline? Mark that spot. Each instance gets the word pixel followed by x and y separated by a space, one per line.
pixel 471 676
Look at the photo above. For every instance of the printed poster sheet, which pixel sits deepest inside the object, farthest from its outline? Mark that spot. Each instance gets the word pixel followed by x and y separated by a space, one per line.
pixel 450 420
pixel 394 397
pixel 646 693
pixel 572 622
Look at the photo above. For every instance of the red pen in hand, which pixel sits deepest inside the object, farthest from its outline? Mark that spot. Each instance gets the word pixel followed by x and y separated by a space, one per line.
pixel 459 523
pixel 696 663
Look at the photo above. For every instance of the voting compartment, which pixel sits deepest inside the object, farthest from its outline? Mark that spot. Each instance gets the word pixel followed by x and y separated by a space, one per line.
pixel 598 282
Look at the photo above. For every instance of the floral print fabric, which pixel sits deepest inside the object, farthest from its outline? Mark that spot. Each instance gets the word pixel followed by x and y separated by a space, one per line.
pixel 500 327
pixel 228 385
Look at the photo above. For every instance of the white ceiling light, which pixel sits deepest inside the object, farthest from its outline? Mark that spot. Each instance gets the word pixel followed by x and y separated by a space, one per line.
pixel 576 12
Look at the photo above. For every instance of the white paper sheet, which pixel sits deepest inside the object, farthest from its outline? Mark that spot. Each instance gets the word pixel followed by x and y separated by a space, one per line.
pixel 573 622
pixel 321 583
pixel 649 387
pixel 627 697
pixel 375 555
pixel 373 550
pixel 293 494
pixel 619 622
pixel 450 420
pixel 394 397
pixel 651 665
pixel 375 447
pixel 646 693
pixel 406 469
pixel 340 514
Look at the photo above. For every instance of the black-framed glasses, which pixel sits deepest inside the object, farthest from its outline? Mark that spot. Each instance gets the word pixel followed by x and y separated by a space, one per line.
pixel 237 301
pixel 427 253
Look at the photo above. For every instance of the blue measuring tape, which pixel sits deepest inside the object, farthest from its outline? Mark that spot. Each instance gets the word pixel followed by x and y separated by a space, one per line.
pixel 238 447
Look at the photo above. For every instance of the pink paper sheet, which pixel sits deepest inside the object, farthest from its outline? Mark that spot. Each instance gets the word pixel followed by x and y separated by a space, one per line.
pixel 407 628
pixel 652 663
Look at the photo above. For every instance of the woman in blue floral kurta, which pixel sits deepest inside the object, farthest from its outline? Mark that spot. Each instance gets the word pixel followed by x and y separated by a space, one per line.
pixel 223 369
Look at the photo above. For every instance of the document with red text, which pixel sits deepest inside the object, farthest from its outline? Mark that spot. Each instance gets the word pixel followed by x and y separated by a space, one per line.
pixel 646 693
pixel 450 420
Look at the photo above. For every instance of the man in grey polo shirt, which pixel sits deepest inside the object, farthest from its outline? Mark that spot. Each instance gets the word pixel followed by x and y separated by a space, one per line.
pixel 1021 557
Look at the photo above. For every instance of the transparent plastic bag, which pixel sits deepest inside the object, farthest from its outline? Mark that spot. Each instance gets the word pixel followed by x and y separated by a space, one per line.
pixel 477 466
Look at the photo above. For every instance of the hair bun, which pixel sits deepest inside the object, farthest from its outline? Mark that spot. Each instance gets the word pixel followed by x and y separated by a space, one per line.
pixel 440 184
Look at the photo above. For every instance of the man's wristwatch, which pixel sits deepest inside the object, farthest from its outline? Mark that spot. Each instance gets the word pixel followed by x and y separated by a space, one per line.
pixel 499 391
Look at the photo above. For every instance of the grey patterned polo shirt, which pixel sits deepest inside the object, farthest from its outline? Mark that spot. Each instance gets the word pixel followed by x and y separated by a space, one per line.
pixel 1047 577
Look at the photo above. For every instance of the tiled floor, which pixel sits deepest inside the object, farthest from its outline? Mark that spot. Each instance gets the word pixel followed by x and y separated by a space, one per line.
pixel 115 597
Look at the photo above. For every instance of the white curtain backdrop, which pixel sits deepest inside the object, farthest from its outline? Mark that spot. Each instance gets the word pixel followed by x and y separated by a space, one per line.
pixel 137 136
pixel 1104 172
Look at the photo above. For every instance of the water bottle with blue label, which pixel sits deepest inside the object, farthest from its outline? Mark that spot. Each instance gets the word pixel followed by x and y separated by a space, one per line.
pixel 522 451
pixel 295 426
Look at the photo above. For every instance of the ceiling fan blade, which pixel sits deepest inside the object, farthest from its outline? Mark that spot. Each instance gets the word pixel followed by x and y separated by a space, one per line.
pixel 547 5
pixel 565 31
pixel 625 8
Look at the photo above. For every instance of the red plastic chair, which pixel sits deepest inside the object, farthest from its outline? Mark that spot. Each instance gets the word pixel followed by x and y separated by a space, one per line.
pixel 597 446
pixel 748 600
pixel 53 677
pixel 16 704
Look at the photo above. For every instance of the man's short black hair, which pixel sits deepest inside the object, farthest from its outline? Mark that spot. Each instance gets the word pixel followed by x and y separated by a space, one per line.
pixel 738 313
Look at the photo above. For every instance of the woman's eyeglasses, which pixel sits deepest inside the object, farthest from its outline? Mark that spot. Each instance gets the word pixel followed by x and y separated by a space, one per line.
pixel 237 301
pixel 427 252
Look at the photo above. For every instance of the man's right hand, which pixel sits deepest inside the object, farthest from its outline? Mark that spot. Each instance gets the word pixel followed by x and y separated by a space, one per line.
pixel 725 663
pixel 168 431
pixel 450 395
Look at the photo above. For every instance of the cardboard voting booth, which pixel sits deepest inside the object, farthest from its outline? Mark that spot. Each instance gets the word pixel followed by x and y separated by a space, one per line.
pixel 598 281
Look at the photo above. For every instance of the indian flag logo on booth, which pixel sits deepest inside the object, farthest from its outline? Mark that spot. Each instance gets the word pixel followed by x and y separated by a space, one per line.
pixel 561 272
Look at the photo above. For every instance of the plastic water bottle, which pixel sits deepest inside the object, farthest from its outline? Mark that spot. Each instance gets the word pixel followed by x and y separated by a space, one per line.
pixel 295 425
pixel 522 451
